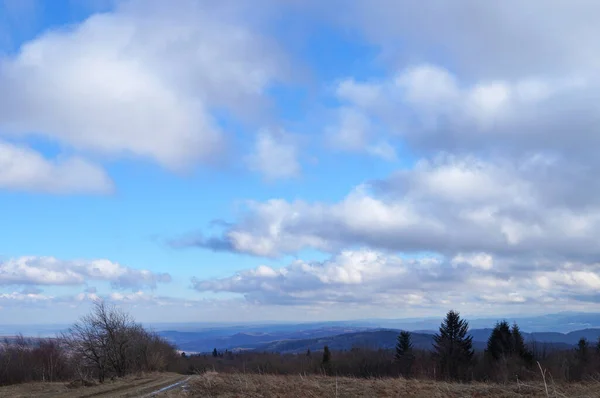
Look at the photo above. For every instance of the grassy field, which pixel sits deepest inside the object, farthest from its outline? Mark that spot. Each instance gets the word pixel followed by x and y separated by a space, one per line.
pixel 223 385
pixel 246 385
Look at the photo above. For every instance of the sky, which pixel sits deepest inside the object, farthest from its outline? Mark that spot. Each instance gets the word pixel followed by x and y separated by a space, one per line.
pixel 237 161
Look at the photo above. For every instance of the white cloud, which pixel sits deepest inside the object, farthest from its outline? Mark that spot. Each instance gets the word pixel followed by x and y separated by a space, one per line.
pixel 52 271
pixel 26 170
pixel 141 80
pixel 431 110
pixel 375 279
pixel 275 155
pixel 450 205
pixel 477 260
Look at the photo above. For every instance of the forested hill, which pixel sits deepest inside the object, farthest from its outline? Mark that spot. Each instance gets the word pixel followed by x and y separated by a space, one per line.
pixel 373 339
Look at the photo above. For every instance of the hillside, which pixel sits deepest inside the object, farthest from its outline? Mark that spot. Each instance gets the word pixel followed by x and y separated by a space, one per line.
pixel 385 339
pixel 233 339
pixel 345 338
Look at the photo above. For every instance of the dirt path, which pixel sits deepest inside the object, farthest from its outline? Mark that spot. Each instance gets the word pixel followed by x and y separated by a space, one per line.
pixel 153 385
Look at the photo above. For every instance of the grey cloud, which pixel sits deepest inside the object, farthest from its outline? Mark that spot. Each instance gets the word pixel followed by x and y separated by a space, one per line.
pixel 198 240
pixel 483 39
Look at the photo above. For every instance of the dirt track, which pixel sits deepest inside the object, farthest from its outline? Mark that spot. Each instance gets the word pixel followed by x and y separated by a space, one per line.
pixel 147 385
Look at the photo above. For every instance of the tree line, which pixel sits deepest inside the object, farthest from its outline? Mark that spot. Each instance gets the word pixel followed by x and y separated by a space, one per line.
pixel 107 343
pixel 506 358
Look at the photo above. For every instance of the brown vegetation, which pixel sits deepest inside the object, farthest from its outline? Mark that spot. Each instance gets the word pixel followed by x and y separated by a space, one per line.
pixel 214 384
pixel 106 343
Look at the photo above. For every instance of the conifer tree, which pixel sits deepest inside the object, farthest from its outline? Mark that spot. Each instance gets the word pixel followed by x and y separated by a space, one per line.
pixel 404 356
pixel 582 351
pixel 520 347
pixel 453 347
pixel 326 355
pixel 404 345
pixel 501 344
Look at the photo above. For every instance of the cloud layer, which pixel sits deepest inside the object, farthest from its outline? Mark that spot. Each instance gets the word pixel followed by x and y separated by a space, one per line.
pixel 50 271
pixel 474 281
pixel 142 81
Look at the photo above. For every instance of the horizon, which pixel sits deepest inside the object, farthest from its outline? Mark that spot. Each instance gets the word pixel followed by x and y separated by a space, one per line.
pixel 246 160
pixel 550 323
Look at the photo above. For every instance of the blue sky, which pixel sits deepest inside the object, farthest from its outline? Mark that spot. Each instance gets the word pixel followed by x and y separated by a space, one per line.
pixel 288 161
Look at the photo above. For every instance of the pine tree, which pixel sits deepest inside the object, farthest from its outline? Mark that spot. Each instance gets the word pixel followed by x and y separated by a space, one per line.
pixel 404 356
pixel 582 358
pixel 215 353
pixel 453 348
pixel 326 355
pixel 326 362
pixel 501 344
pixel 404 345
pixel 520 347
pixel 308 352
pixel 582 351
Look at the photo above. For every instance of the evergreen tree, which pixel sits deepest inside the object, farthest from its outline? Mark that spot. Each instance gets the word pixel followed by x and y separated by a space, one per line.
pixel 582 351
pixel 404 345
pixel 326 362
pixel 501 343
pixel 453 348
pixel 520 347
pixel 326 355
pixel 215 353
pixel 582 358
pixel 308 352
pixel 404 355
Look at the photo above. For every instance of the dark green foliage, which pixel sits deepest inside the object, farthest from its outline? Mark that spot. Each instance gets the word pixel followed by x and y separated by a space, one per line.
pixel 404 355
pixel 404 345
pixel 506 352
pixel 582 351
pixel 215 353
pixel 505 343
pixel 326 355
pixel 580 368
pixel 501 343
pixel 453 347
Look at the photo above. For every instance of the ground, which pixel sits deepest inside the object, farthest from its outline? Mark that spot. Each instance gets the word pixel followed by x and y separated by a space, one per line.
pixel 267 386
pixel 255 386
pixel 139 386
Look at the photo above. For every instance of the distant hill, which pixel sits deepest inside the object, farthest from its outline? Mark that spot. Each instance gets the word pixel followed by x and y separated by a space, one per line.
pixel 206 341
pixel 300 337
pixel 385 339
pixel 300 341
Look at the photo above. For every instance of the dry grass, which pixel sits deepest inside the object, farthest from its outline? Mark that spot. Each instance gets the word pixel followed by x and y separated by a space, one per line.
pixel 253 386
pixel 132 386
pixel 230 385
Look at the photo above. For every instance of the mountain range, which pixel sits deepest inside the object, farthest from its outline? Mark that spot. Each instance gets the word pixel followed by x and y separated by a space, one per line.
pixel 338 338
